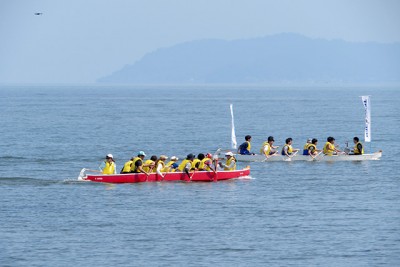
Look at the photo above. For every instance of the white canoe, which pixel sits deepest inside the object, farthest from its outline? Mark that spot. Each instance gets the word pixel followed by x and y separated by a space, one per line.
pixel 320 157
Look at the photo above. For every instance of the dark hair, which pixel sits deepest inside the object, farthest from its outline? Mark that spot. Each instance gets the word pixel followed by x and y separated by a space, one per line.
pixel 270 138
pixel 288 140
pixel 356 139
pixel 153 158
pixel 247 137
pixel 200 156
pixel 330 139
pixel 314 141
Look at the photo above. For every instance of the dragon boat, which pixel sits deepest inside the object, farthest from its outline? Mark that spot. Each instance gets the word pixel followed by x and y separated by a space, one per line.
pixel 196 176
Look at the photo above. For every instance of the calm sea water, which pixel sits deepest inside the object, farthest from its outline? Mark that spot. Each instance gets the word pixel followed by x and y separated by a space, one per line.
pixel 287 214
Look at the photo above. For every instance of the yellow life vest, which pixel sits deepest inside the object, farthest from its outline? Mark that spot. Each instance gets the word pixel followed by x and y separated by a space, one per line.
pixel 194 163
pixel 306 146
pixel 289 149
pixel 127 166
pixel 183 164
pixel 263 146
pixel 203 166
pixel 328 149
pixel 109 168
pixel 228 162
pixel 167 167
pixel 358 152
pixel 148 162
pixel 249 146
pixel 133 166
pixel 311 145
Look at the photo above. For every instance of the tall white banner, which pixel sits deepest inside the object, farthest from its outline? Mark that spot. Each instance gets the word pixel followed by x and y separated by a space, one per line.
pixel 367 105
pixel 234 144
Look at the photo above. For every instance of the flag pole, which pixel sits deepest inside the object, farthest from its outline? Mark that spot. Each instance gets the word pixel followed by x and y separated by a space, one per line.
pixel 233 135
pixel 367 129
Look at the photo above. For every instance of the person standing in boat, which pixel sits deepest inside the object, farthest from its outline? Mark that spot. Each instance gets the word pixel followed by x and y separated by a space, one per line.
pixel 108 166
pixel 186 164
pixel 305 149
pixel 160 165
pixel 137 164
pixel 127 166
pixel 171 165
pixel 358 147
pixel 230 163
pixel 329 147
pixel 267 147
pixel 287 149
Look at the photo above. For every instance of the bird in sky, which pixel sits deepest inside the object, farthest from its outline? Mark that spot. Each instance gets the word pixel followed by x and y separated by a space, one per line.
pixel 38 13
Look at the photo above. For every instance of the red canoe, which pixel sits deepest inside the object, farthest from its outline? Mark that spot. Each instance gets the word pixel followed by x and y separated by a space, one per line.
pixel 197 176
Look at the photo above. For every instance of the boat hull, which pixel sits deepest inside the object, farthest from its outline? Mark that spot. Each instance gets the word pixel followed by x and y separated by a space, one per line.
pixel 198 176
pixel 262 158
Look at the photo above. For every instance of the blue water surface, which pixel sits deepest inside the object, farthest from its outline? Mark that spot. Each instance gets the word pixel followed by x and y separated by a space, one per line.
pixel 286 214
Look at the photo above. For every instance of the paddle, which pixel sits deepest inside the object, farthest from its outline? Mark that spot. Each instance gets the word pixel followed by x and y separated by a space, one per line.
pixel 215 161
pixel 268 156
pixel 314 158
pixel 191 177
pixel 289 157
pixel 215 171
pixel 319 156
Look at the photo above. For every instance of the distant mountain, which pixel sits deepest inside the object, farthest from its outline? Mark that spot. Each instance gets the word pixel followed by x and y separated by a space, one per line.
pixel 279 58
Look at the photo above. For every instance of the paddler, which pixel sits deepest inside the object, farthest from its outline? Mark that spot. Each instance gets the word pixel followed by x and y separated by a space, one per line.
pixel 149 165
pixel 312 148
pixel 160 165
pixel 358 147
pixel 244 149
pixel 305 149
pixel 127 166
pixel 137 164
pixel 171 165
pixel 186 164
pixel 196 163
pixel 230 163
pixel 329 147
pixel 205 162
pixel 108 166
pixel 287 149
pixel 267 147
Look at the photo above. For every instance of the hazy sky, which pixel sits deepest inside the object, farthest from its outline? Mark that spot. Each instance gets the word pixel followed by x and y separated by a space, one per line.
pixel 78 41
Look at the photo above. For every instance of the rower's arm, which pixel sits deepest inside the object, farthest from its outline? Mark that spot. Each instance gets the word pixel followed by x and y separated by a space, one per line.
pixel 159 168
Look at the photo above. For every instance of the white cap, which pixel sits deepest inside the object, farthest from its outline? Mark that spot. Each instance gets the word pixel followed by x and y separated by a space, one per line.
pixel 109 156
pixel 163 157
pixel 229 154
pixel 141 153
pixel 309 140
pixel 174 158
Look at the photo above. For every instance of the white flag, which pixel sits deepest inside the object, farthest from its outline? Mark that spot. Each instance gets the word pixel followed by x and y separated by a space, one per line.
pixel 234 144
pixel 367 105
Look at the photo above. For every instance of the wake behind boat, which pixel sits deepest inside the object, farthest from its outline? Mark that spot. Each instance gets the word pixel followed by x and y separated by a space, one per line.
pixel 196 176
pixel 319 157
